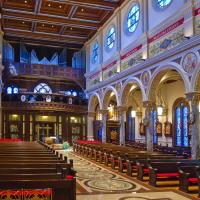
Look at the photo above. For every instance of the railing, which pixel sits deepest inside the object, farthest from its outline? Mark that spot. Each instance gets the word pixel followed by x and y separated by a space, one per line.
pixel 81 109
pixel 20 69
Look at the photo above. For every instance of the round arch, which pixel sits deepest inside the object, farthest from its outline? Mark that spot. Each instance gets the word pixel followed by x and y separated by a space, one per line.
pixel 196 79
pixel 158 75
pixel 127 86
pixel 107 95
pixel 94 100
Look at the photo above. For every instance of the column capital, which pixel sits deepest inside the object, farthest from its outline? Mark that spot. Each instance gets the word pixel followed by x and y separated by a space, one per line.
pixel 193 96
pixel 148 104
pixel 122 109
pixel 103 112
pixel 91 114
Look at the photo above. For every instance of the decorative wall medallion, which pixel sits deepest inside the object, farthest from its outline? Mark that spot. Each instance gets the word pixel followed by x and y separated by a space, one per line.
pixel 145 77
pixel 189 62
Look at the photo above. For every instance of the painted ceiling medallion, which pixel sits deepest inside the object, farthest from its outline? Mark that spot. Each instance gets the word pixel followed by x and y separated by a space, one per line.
pixel 145 77
pixel 189 62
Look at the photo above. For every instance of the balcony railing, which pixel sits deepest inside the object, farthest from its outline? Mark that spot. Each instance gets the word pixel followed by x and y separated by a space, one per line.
pixel 44 106
pixel 54 71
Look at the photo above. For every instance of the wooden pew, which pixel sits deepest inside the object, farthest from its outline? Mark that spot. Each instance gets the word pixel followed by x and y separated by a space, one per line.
pixel 189 175
pixel 165 170
pixel 36 169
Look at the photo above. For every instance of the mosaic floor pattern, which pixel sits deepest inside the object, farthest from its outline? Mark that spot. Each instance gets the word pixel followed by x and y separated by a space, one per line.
pixel 135 196
pixel 94 178
pixel 100 183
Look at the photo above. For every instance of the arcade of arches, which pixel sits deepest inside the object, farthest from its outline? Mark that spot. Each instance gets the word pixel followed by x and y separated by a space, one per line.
pixel 165 112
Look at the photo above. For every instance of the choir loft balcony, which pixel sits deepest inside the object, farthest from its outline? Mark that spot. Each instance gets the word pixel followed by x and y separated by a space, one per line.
pixel 23 70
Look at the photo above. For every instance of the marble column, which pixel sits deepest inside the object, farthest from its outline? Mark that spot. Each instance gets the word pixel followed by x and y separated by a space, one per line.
pixel 90 125
pixel 122 116
pixel 148 125
pixel 193 99
pixel 104 123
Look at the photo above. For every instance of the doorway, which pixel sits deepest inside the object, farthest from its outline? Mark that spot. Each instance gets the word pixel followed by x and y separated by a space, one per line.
pixel 44 129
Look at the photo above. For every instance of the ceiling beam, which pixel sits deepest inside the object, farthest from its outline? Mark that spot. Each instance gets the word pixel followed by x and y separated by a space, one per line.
pixel 49 19
pixel 62 30
pixel 38 4
pixel 72 11
pixel 33 26
pixel 36 42
pixel 97 4
pixel 42 36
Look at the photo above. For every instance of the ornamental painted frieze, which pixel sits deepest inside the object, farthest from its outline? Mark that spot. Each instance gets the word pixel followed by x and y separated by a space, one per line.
pixel 189 62
pixel 197 21
pixel 167 38
pixel 145 78
pixel 131 58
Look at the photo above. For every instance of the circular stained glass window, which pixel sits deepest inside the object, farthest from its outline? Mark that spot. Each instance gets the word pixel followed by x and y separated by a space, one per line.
pixel 95 51
pixel 163 3
pixel 133 18
pixel 111 38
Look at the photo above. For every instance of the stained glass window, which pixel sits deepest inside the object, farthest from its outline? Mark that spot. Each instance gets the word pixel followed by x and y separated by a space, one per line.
pixel 181 125
pixel 178 126
pixel 95 51
pixel 154 120
pixel 185 127
pixel 42 88
pixel 133 18
pixel 9 90
pixel 163 3
pixel 111 38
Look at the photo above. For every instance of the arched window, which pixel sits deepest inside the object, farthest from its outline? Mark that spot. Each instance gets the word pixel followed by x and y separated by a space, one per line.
pixel 130 126
pixel 111 38
pixel 163 3
pixel 42 88
pixel 133 18
pixel 95 51
pixel 181 111
pixel 154 120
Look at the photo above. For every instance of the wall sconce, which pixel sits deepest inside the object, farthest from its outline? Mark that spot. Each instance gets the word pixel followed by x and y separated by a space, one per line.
pixel 133 113
pixel 160 110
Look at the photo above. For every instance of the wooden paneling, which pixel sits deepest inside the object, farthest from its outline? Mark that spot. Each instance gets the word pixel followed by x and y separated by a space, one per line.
pixel 69 21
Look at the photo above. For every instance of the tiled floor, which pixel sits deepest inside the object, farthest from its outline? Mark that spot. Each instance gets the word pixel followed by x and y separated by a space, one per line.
pixel 95 182
pixel 135 196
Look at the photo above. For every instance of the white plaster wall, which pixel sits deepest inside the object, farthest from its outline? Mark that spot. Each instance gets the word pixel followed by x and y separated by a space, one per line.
pixel 162 14
pixel 127 39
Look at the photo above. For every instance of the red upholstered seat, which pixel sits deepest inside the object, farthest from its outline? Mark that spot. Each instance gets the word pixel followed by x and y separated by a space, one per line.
pixel 69 177
pixel 134 166
pixel 167 174
pixel 146 170
pixel 116 161
pixel 193 180
pixel 124 164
